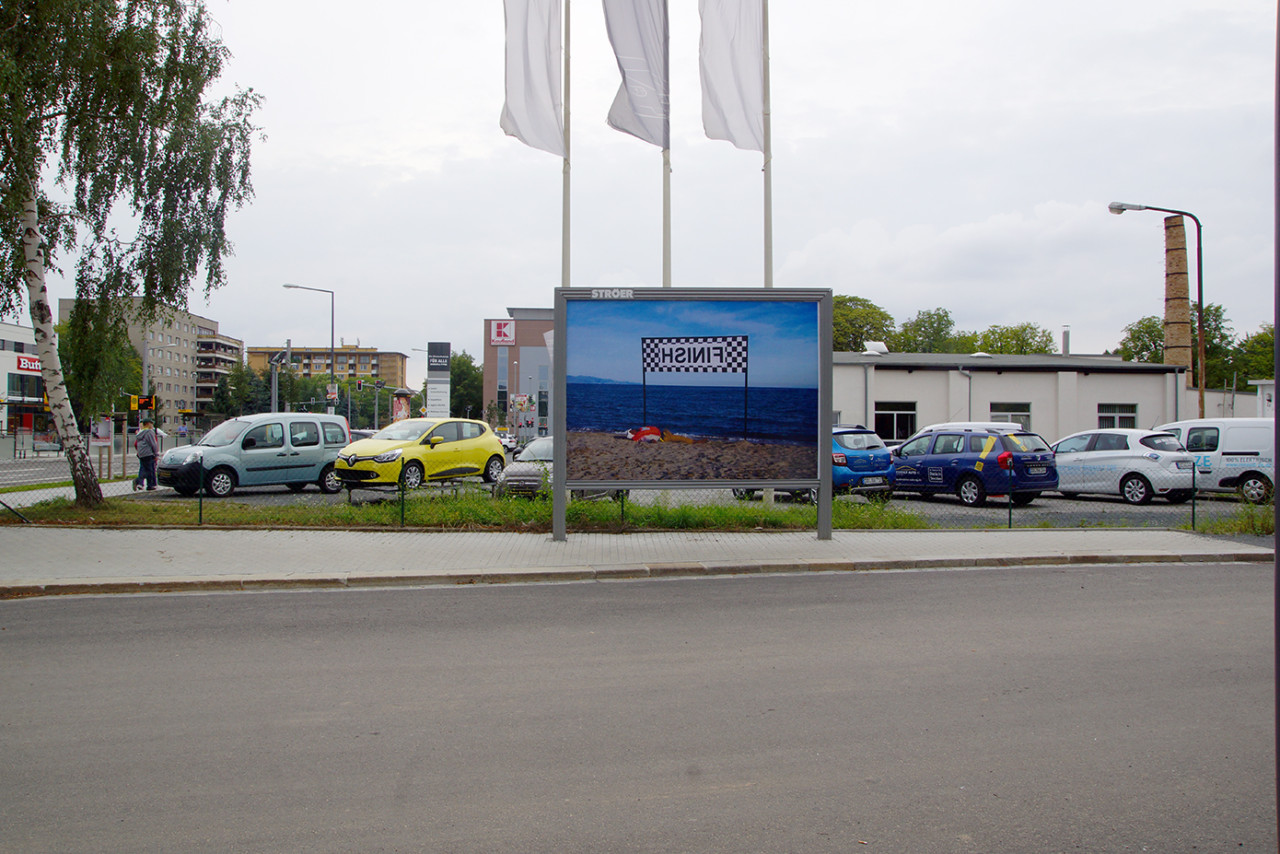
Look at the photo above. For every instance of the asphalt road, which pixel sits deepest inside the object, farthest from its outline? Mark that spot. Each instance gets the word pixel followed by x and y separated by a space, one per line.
pixel 1091 708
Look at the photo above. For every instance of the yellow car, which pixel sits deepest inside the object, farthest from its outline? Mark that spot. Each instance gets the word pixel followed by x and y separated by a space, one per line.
pixel 414 450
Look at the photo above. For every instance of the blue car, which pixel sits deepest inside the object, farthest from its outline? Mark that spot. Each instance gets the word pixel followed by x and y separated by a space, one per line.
pixel 860 465
pixel 972 463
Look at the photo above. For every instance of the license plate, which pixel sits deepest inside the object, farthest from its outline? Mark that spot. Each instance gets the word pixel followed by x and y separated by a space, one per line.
pixel 1035 469
pixel 1186 465
pixel 872 481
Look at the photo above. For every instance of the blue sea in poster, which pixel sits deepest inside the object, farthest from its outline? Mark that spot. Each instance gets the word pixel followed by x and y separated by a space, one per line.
pixel 777 414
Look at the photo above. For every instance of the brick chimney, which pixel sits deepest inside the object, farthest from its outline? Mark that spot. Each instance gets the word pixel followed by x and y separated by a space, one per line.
pixel 1177 299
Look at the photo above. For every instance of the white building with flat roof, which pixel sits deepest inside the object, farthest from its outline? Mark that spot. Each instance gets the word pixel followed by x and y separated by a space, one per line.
pixel 1053 395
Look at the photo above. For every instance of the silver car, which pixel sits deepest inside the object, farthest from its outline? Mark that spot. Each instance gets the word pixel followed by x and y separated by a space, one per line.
pixel 529 476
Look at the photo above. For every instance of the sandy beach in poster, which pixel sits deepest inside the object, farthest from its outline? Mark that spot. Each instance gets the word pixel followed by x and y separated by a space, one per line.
pixel 604 456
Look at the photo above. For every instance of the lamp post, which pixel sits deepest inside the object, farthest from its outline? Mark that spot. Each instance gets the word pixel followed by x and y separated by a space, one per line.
pixel 1118 208
pixel 333 380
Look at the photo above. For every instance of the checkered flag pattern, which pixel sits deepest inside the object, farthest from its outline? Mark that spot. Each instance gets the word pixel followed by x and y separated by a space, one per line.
pixel 721 354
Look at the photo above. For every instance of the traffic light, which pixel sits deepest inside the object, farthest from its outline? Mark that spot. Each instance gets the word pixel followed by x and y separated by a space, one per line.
pixel 133 403
pixel 359 385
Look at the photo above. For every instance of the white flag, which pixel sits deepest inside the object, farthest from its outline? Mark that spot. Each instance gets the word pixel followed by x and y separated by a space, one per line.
pixel 533 113
pixel 638 33
pixel 731 56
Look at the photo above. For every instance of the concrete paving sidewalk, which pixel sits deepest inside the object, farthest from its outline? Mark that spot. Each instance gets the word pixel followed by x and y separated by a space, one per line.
pixel 42 561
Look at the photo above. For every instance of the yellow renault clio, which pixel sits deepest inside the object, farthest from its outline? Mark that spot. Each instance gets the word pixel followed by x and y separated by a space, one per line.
pixel 414 450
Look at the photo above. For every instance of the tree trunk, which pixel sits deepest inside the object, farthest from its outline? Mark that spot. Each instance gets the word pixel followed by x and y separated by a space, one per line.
pixel 88 492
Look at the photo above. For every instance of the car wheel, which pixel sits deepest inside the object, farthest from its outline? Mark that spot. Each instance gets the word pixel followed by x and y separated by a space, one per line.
pixel 805 496
pixel 971 492
pixel 185 491
pixel 411 475
pixel 493 470
pixel 744 494
pixel 1135 489
pixel 1070 495
pixel 1178 496
pixel 220 483
pixel 1255 488
pixel 1022 499
pixel 329 482
pixel 296 487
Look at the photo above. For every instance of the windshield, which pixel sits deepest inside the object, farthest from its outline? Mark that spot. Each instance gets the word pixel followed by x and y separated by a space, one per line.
pixel 1162 442
pixel 858 441
pixel 403 431
pixel 1024 442
pixel 539 450
pixel 224 434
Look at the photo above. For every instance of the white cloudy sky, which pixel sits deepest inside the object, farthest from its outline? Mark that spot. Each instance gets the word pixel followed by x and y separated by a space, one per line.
pixel 926 154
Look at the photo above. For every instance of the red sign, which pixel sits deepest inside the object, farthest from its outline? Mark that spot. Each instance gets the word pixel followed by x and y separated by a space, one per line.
pixel 502 332
pixel 29 363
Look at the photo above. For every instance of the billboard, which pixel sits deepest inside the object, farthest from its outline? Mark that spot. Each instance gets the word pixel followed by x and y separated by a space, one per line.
pixel 693 387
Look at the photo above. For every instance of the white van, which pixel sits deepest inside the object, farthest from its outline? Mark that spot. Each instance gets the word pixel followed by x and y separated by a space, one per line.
pixel 1231 454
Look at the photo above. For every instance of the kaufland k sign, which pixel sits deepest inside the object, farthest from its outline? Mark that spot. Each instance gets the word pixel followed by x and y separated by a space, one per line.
pixel 29 363
pixel 502 333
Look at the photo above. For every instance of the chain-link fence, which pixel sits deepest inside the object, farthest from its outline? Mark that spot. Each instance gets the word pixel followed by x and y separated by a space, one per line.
pixel 470 503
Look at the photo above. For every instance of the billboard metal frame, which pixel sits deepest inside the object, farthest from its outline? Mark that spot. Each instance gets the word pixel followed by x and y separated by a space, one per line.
pixel 820 297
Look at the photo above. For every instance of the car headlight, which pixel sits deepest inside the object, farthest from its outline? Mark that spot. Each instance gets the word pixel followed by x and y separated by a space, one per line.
pixel 389 456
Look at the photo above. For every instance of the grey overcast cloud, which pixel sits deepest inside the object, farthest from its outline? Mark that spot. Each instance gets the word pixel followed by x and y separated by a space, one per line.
pixel 927 154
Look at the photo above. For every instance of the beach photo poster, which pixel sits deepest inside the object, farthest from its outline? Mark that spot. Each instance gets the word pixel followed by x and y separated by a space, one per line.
pixel 680 389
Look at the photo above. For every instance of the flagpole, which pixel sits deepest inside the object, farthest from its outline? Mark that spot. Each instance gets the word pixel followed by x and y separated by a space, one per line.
pixel 666 217
pixel 564 203
pixel 768 156
pixel 666 161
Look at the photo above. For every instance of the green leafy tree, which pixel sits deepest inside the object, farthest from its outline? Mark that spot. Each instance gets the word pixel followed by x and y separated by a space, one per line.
pixel 466 386
pixel 99 363
pixel 857 320
pixel 932 331
pixel 1219 341
pixel 1019 340
pixel 221 402
pixel 103 120
pixel 1143 341
pixel 1253 357
pixel 247 393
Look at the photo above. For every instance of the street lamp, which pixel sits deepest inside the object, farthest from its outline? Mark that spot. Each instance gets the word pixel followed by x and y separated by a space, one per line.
pixel 333 380
pixel 1118 208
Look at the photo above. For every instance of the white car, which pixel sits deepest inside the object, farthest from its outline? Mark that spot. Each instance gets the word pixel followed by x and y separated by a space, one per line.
pixel 1134 464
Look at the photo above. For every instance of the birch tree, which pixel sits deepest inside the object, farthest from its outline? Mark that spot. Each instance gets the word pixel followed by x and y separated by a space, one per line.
pixel 114 163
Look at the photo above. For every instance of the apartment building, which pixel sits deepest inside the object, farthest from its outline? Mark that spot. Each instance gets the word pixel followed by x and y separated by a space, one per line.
pixel 350 362
pixel 184 355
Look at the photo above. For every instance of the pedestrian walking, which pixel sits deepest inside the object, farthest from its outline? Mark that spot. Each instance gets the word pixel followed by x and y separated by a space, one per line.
pixel 147 444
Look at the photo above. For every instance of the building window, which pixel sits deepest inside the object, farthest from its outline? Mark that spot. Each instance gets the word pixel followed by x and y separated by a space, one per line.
pixel 895 419
pixel 1112 416
pixel 25 387
pixel 1016 413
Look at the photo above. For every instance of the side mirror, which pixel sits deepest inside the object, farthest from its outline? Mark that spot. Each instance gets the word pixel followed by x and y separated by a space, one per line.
pixel 249 443
pixel 435 440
